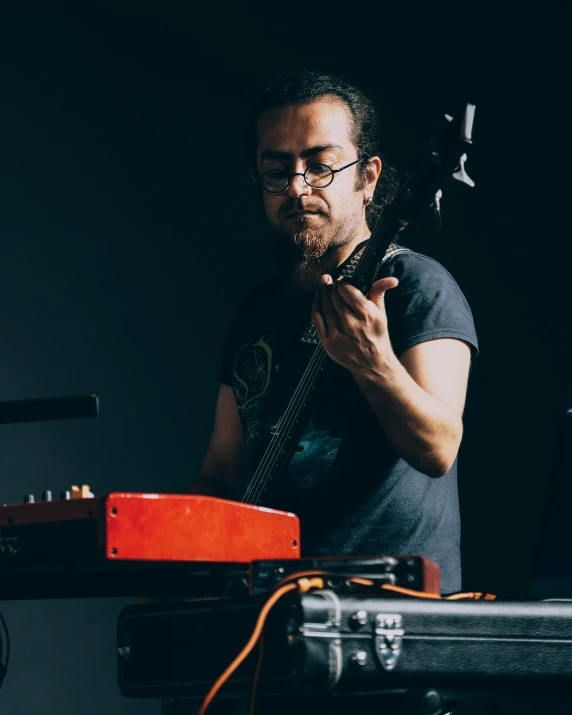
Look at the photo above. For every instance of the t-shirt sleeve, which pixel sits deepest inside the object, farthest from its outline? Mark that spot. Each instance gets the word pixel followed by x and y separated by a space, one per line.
pixel 225 372
pixel 427 304
pixel 236 332
pixel 247 314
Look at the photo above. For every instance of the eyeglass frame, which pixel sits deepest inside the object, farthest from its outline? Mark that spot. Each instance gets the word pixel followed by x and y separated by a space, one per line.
pixel 303 174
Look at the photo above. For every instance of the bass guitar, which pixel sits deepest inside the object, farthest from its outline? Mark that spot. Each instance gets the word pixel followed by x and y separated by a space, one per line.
pixel 419 190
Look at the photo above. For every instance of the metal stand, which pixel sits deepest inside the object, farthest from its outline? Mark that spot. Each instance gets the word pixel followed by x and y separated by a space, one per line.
pixel 49 408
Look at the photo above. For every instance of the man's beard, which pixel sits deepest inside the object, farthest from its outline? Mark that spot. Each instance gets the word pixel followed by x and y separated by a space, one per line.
pixel 302 248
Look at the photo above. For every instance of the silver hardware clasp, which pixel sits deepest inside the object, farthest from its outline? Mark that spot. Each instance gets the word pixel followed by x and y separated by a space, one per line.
pixel 388 639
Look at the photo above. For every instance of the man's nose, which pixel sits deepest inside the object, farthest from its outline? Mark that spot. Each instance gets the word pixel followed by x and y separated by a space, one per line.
pixel 298 187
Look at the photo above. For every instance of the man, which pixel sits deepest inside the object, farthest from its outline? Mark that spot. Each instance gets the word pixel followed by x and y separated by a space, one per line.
pixel 375 471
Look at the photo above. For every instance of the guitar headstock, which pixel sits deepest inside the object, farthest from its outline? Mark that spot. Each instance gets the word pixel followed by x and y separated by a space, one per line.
pixel 421 187
pixel 464 138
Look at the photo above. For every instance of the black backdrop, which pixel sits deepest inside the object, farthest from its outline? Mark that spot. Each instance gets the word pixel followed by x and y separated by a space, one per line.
pixel 122 255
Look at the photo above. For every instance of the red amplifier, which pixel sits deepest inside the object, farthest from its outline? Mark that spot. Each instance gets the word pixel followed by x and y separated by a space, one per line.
pixel 154 527
pixel 115 539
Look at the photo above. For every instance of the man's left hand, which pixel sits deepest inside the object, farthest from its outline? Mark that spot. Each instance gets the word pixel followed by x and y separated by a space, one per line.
pixel 352 327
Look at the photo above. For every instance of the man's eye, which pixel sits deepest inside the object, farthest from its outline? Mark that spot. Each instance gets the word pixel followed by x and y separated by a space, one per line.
pixel 275 174
pixel 319 169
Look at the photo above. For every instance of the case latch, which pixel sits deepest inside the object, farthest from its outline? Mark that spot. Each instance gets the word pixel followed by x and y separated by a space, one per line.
pixel 388 638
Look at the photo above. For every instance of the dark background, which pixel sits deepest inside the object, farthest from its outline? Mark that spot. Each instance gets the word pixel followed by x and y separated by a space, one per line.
pixel 122 256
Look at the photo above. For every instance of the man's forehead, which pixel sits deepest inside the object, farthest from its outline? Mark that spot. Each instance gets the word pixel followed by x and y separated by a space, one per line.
pixel 295 129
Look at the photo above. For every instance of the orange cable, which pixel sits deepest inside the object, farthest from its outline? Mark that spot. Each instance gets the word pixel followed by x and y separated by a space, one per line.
pixel 305 584
pixel 474 595
pixel 409 591
pixel 276 596
pixel 461 596
pixel 469 595
pixel 299 574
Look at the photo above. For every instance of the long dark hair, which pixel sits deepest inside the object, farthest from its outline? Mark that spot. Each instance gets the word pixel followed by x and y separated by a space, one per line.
pixel 310 85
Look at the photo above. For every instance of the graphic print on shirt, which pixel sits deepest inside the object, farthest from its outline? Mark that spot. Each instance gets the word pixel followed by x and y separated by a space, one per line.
pixel 254 366
pixel 252 370
pixel 313 457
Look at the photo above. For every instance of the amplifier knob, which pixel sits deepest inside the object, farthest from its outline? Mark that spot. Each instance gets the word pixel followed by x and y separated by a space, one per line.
pixel 29 499
pixel 391 563
pixel 47 495
pixel 65 495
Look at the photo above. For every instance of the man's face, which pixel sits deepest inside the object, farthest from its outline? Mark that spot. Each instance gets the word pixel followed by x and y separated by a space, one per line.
pixel 308 221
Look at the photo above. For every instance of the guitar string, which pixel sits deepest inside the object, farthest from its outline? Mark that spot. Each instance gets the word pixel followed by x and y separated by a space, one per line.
pixel 315 365
pixel 275 448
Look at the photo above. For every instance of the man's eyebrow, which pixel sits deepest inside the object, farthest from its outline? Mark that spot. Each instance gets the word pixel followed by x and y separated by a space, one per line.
pixel 275 154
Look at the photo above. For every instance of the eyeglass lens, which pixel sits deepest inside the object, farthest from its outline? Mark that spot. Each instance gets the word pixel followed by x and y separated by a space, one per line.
pixel 318 176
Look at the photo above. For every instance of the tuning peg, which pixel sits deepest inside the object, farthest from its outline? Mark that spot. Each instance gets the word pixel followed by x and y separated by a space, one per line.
pixel 467 124
pixel 461 174
pixel 437 207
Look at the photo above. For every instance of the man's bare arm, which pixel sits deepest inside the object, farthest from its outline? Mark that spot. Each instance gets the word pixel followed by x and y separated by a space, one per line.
pixel 419 402
pixel 221 464
pixel 419 399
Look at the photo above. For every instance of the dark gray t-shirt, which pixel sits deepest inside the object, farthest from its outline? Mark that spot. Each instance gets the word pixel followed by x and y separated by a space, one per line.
pixel 353 493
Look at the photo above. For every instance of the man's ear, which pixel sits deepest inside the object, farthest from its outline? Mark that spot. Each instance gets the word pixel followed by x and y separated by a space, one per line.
pixel 373 171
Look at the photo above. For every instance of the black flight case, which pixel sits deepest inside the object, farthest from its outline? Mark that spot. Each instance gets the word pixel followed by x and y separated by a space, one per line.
pixel 324 644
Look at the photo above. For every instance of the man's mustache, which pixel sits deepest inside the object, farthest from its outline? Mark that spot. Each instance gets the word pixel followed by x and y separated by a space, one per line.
pixel 297 205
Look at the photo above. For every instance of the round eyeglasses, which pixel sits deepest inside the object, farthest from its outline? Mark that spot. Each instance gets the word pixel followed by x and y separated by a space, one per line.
pixel 318 176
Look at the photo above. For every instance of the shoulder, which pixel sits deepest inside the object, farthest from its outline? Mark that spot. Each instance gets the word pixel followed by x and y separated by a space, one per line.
pixel 414 267
pixel 421 278
pixel 427 303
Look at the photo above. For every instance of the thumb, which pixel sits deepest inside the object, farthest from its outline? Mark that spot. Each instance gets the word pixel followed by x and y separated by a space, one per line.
pixel 379 288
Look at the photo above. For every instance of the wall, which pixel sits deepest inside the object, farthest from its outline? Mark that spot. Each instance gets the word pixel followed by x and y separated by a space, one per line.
pixel 122 255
